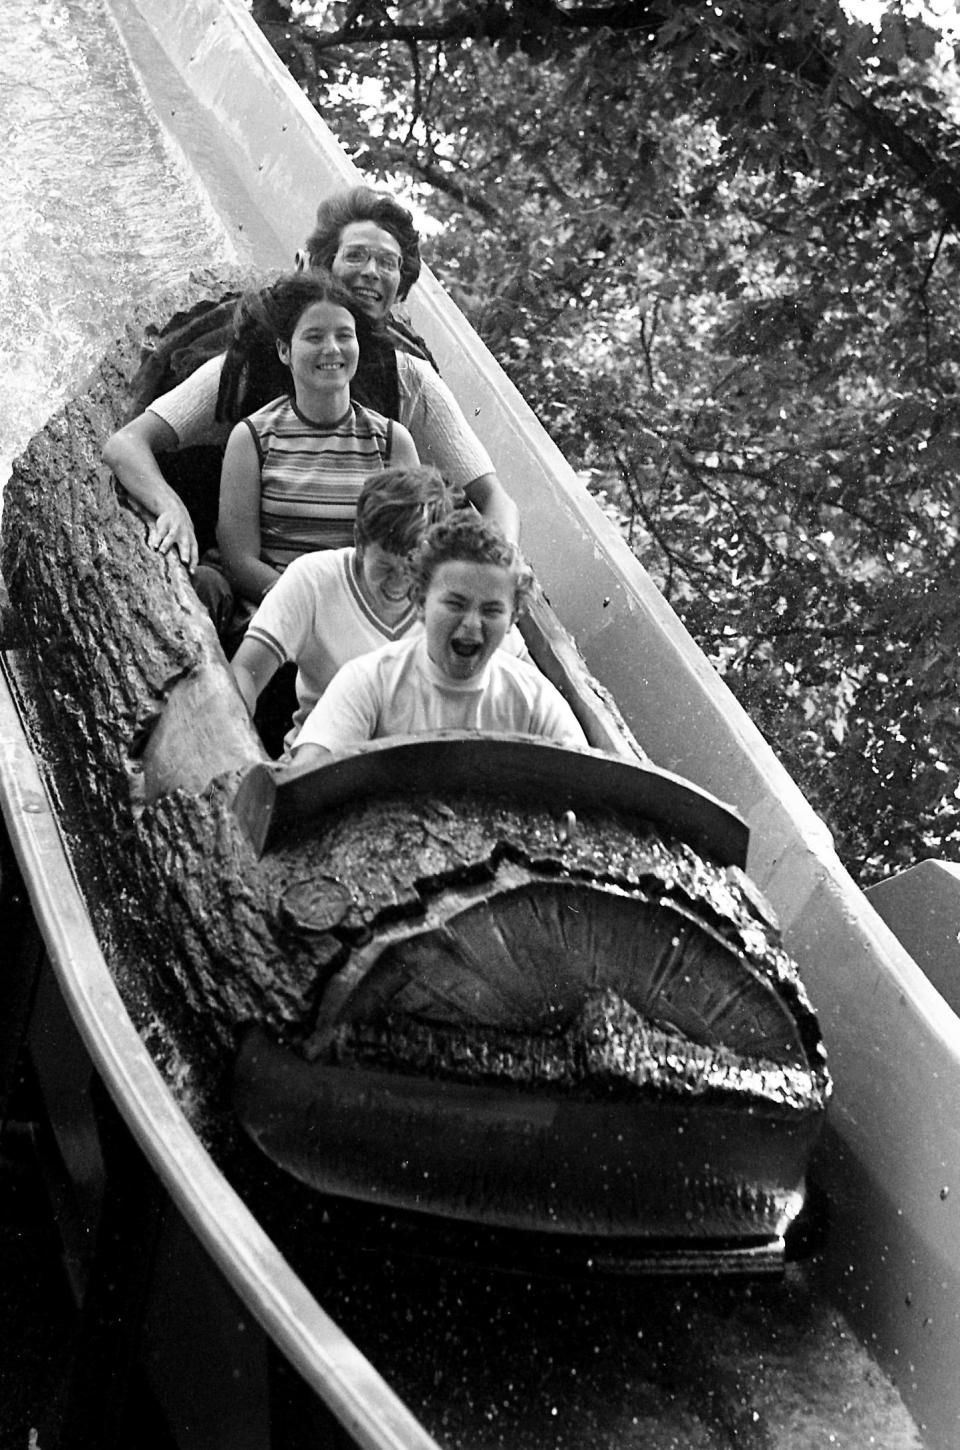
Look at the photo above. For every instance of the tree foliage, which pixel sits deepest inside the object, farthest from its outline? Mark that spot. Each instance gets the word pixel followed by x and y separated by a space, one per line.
pixel 716 248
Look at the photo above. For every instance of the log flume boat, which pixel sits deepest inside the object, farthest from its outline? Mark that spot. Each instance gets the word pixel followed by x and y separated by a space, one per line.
pixel 207 840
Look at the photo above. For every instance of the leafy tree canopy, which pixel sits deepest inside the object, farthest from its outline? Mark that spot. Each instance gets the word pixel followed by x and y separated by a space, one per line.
pixel 716 247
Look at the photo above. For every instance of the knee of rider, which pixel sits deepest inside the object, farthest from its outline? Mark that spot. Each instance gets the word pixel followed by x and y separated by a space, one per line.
pixel 214 591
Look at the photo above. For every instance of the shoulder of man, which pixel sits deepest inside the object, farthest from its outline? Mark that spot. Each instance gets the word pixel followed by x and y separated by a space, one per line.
pixel 406 340
pixel 192 335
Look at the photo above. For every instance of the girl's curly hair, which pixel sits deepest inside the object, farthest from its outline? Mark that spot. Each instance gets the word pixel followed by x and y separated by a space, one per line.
pixel 465 535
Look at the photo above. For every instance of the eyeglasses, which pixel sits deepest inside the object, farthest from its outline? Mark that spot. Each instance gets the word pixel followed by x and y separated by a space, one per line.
pixel 357 256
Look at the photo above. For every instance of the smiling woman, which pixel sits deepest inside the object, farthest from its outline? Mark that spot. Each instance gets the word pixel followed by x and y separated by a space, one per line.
pixel 293 470
pixel 322 357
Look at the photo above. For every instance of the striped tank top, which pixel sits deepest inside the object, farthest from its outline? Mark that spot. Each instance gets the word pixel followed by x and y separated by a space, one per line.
pixel 311 475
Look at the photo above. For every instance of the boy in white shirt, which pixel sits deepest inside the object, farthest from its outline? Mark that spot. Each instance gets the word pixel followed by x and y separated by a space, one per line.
pixel 331 605
pixel 469 585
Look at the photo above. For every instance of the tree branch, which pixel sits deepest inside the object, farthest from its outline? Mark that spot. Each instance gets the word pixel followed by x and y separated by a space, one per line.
pixel 495 21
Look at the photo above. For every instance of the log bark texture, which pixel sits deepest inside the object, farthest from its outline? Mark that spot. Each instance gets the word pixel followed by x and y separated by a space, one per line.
pixel 106 632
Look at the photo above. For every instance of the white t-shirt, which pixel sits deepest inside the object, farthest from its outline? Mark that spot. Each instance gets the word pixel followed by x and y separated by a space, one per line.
pixel 428 410
pixel 317 617
pixel 397 690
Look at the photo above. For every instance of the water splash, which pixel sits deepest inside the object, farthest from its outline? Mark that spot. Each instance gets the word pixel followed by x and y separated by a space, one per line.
pixel 97 211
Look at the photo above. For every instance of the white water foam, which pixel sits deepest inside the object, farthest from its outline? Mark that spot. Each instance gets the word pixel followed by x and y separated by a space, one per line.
pixel 95 212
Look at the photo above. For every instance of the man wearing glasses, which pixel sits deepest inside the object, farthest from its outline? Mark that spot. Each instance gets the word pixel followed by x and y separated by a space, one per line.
pixel 369 242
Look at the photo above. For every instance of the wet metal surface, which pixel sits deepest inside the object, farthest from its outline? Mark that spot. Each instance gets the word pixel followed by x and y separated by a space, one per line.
pixel 76 138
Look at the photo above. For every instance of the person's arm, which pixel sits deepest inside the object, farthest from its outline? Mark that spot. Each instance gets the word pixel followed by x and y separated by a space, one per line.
pixel 238 523
pixel 254 666
pixel 490 498
pixel 184 416
pixel 403 450
pixel 131 455
pixel 444 438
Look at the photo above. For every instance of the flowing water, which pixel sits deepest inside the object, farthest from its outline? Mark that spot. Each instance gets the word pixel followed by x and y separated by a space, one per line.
pixel 95 209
